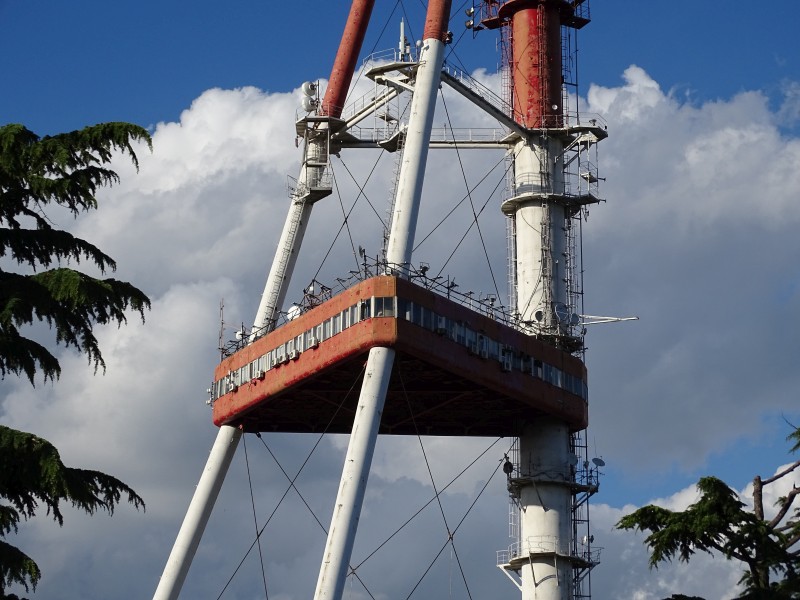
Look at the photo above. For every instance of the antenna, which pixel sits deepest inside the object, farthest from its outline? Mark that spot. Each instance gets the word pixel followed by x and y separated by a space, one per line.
pixel 310 99
pixel 221 341
pixel 596 320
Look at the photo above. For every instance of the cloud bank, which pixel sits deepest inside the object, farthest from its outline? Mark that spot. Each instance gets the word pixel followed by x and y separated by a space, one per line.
pixel 697 238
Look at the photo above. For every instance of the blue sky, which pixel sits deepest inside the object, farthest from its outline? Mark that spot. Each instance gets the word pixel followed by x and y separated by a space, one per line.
pixel 144 62
pixel 698 238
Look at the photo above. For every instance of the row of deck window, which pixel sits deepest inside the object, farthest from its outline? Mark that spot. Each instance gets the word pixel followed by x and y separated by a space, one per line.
pixel 391 306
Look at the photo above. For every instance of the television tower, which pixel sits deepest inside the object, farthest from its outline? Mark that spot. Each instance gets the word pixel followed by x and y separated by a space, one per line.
pixel 485 372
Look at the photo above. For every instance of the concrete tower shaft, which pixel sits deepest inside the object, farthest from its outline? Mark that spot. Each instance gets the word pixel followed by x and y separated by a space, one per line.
pixel 541 487
pixel 546 517
pixel 536 92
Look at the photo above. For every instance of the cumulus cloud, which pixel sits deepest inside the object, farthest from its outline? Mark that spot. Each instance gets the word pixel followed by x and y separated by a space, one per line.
pixel 697 238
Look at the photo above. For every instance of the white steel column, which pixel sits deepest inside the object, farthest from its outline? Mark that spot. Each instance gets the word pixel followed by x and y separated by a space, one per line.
pixel 415 153
pixel 194 523
pixel 353 485
pixel 294 229
pixel 347 510
pixel 205 495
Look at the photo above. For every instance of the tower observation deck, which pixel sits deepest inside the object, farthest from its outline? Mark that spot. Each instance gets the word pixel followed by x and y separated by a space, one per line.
pixel 458 371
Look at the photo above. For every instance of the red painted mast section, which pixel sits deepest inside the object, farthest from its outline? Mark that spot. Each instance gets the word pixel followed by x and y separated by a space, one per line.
pixel 436 20
pixel 346 58
pixel 536 61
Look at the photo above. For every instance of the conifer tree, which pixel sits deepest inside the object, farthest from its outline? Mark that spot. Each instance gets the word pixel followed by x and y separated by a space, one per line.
pixel 37 284
pixel 719 522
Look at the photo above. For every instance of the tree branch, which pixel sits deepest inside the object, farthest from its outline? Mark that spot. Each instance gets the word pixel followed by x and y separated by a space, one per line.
pixel 786 504
pixel 783 473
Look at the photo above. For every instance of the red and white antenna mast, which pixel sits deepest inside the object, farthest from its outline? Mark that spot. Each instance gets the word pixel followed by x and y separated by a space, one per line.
pixel 543 203
pixel 514 375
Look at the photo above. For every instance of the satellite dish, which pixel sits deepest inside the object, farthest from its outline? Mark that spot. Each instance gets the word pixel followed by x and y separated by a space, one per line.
pixel 574 319
pixel 599 462
pixel 293 312
pixel 573 459
pixel 538 316
pixel 562 313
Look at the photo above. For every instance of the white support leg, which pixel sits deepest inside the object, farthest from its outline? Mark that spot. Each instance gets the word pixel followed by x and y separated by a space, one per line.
pixel 346 511
pixel 194 523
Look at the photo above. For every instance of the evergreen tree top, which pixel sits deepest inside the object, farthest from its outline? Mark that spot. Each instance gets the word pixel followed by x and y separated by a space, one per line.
pixel 66 170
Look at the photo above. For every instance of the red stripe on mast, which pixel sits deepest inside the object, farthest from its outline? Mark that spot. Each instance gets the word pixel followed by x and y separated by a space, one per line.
pixel 345 63
pixel 437 19
pixel 536 68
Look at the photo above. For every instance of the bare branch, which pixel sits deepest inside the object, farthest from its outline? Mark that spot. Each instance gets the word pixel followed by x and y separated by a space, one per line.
pixel 783 473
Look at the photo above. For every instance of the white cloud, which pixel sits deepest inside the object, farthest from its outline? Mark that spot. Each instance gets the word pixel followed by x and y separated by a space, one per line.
pixel 697 239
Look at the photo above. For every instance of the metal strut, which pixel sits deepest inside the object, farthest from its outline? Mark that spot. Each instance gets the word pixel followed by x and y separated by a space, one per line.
pixel 349 500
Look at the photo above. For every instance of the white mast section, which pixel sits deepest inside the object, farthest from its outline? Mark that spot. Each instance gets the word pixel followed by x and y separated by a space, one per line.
pixel 350 498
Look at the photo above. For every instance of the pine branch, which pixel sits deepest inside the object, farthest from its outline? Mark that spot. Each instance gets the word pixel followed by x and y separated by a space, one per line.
pixel 65 169
pixel 794 437
pixel 32 472
pixel 68 301
pixel 22 356
pixel 17 567
pixel 44 246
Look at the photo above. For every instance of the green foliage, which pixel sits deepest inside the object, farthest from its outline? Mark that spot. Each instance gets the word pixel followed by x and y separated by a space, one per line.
pixel 31 473
pixel 706 525
pixel 64 170
pixel 719 522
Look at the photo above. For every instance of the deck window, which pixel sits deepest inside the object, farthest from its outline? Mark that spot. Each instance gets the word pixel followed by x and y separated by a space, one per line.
pixel 336 324
pixel 428 319
pixel 384 306
pixel 537 369
pixel 416 314
pixel 365 309
pixel 404 309
pixel 460 333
